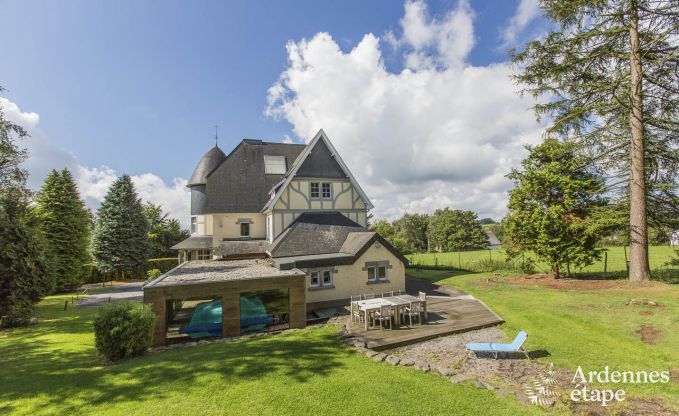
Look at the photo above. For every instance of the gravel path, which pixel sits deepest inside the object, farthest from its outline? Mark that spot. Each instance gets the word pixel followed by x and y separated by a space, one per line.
pixel 122 291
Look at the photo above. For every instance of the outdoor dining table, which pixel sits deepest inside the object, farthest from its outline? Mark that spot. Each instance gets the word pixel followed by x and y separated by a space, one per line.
pixel 369 305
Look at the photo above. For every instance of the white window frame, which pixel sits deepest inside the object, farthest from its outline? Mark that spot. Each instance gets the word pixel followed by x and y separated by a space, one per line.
pixel 376 273
pixel 318 190
pixel 318 279
pixel 374 270
pixel 194 225
pixel 323 185
pixel 204 255
pixel 320 275
pixel 323 283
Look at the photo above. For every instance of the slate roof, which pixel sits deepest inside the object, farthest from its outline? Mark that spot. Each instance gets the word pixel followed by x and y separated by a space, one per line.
pixel 238 183
pixel 314 233
pixel 195 242
pixel 207 163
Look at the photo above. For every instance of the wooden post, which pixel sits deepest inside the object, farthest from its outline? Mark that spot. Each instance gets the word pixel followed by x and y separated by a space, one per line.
pixel 605 263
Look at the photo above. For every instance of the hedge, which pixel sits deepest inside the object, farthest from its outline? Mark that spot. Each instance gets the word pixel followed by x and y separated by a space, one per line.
pixel 94 275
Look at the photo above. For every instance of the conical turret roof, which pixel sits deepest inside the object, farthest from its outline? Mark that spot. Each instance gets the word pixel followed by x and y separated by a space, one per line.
pixel 207 164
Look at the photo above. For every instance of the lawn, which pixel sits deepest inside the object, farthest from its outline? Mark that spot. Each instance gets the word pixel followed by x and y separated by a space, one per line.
pixel 588 328
pixel 659 256
pixel 53 368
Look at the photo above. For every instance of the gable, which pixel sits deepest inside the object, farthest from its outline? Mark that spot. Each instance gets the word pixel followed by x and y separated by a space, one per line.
pixel 320 163
pixel 327 154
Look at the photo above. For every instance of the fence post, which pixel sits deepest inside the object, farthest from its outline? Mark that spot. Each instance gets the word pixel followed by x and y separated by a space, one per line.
pixel 459 260
pixel 65 305
pixel 605 263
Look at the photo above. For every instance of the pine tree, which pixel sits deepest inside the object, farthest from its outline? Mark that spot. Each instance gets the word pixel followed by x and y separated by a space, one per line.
pixel 119 241
pixel 24 268
pixel 609 76
pixel 553 207
pixel 65 222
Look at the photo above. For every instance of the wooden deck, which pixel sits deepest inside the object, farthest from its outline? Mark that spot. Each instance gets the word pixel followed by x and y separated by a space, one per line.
pixel 446 315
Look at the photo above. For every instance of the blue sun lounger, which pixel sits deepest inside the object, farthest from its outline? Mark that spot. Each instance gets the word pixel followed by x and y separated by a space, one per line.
pixel 495 348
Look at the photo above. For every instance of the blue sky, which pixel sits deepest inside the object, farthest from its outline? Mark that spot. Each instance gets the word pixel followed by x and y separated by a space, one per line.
pixel 138 85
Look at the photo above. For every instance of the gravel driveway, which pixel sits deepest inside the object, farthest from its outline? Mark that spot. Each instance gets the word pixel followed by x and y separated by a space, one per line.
pixel 122 291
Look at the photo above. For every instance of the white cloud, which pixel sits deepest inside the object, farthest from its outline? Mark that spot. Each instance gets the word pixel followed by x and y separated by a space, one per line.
pixel 526 12
pixel 440 133
pixel 93 183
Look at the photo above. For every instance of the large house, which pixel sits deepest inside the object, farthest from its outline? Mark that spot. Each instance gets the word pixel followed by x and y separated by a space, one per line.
pixel 278 231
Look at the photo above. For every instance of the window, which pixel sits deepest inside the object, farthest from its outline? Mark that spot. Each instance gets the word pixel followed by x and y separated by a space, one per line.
pixel 204 255
pixel 244 229
pixel 193 225
pixel 314 191
pixel 315 279
pixel 274 165
pixel 327 190
pixel 320 279
pixel 320 190
pixel 377 271
pixel 327 278
pixel 371 274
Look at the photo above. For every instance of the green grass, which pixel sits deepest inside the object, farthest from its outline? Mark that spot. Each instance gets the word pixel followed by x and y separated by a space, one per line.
pixel 616 264
pixel 589 328
pixel 53 368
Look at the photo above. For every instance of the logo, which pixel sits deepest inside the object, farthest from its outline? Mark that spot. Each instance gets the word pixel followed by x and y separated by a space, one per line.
pixel 581 391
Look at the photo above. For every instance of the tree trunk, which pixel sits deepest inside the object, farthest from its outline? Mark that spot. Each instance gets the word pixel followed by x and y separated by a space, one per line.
pixel 555 270
pixel 638 266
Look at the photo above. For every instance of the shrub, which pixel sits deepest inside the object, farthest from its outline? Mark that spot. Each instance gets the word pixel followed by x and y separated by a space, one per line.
pixel 152 275
pixel 123 329
pixel 489 265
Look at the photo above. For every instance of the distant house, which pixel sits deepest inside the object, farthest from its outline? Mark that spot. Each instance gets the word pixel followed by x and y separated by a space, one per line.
pixel 493 242
pixel 277 231
pixel 674 238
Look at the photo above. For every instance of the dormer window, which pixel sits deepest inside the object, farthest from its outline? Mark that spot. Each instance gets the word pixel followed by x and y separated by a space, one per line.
pixel 274 165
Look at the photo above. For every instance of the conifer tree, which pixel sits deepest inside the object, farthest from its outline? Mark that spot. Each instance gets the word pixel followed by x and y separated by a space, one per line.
pixel 24 268
pixel 608 73
pixel 119 240
pixel 65 222
pixel 553 207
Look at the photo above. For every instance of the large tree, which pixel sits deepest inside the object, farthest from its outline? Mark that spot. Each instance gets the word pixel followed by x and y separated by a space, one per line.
pixel 557 209
pixel 120 238
pixel 66 223
pixel 164 232
pixel 412 228
pixel 24 268
pixel 609 74
pixel 453 230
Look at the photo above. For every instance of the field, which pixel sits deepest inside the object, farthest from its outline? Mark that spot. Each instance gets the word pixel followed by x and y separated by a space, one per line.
pixel 659 256
pixel 592 328
pixel 53 369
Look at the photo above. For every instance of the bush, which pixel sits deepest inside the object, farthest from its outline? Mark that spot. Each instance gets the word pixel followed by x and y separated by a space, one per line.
pixel 489 265
pixel 152 275
pixel 123 329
